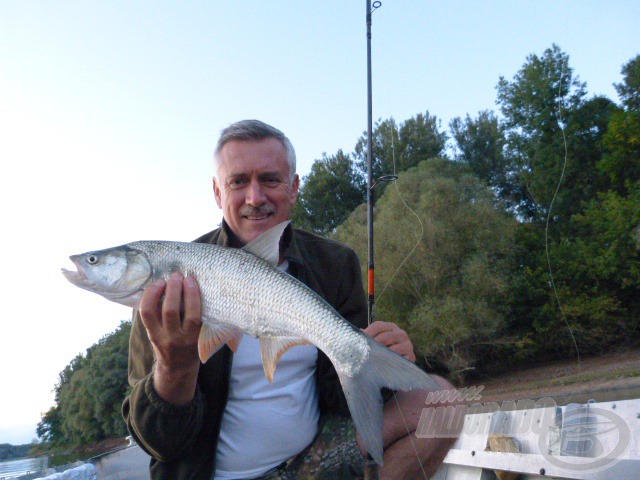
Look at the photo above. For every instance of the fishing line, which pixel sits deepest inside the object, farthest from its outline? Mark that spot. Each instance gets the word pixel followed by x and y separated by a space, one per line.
pixel 413 445
pixel 394 178
pixel 404 421
pixel 393 156
pixel 553 199
pixel 395 183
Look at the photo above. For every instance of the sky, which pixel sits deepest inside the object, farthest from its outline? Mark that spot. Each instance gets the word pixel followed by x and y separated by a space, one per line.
pixel 110 110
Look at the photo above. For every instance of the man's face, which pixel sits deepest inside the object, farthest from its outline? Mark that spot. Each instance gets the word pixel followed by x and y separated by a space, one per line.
pixel 253 186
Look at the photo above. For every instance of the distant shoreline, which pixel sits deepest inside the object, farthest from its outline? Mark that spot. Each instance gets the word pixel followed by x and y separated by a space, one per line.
pixel 17 435
pixel 9 452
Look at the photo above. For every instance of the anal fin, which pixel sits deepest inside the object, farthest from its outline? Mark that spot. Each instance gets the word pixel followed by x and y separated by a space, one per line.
pixel 272 348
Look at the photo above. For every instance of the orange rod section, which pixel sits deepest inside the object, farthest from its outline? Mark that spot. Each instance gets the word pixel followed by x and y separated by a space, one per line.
pixel 371 282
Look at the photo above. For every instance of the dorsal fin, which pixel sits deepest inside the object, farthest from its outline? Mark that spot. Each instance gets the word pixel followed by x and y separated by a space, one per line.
pixel 267 245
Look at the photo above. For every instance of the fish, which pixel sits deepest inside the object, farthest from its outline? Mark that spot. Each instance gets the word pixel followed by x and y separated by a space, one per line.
pixel 243 292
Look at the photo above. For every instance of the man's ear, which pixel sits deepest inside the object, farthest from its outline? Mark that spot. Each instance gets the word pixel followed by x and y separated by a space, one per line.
pixel 294 188
pixel 217 192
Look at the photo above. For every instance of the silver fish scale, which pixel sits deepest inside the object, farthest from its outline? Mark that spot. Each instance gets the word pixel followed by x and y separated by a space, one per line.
pixel 242 291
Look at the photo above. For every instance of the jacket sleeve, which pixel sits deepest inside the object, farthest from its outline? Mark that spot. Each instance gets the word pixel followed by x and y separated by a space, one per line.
pixel 165 431
pixel 350 302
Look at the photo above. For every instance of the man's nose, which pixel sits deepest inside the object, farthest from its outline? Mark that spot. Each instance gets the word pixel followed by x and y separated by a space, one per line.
pixel 255 194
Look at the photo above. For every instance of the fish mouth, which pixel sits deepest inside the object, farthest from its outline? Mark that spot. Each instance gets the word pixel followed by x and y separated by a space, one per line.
pixel 77 277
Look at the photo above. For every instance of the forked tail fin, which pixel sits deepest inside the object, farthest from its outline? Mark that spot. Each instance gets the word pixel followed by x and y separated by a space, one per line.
pixel 385 368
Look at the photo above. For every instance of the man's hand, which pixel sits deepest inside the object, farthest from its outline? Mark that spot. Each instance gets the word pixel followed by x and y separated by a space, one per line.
pixel 174 335
pixel 392 336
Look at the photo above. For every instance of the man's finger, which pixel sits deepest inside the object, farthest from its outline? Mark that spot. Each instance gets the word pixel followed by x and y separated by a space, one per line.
pixel 192 306
pixel 378 327
pixel 389 338
pixel 172 302
pixel 393 337
pixel 405 350
pixel 150 305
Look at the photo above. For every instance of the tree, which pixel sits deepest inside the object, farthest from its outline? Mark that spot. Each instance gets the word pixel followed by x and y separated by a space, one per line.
pixel 398 148
pixel 89 394
pixel 481 145
pixel 629 89
pixel 535 106
pixel 336 184
pixel 586 129
pixel 49 428
pixel 598 272
pixel 621 163
pixel 450 291
pixel 328 194
pixel 578 284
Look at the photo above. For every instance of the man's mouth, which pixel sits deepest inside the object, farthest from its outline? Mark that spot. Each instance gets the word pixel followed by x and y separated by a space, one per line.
pixel 256 214
pixel 258 217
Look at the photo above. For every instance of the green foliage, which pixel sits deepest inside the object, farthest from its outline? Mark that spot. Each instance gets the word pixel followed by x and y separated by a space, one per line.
pixel 539 95
pixel 535 106
pixel 565 274
pixel 336 184
pixel 621 162
pixel 481 143
pixel 586 127
pixel 12 452
pixel 89 394
pixel 550 136
pixel 450 293
pixel 398 148
pixel 629 89
pixel 328 194
pixel 567 167
pixel 49 427
pixel 581 290
pixel 596 274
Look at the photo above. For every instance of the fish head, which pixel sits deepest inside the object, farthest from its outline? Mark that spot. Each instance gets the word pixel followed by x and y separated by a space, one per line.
pixel 119 274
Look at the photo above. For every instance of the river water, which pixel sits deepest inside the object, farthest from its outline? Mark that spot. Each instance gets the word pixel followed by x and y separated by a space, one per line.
pixel 15 468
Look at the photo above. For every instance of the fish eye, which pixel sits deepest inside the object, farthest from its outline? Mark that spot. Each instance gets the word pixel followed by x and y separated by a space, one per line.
pixel 92 259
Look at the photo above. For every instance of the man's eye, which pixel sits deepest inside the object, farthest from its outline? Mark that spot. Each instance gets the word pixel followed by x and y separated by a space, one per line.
pixel 272 181
pixel 236 182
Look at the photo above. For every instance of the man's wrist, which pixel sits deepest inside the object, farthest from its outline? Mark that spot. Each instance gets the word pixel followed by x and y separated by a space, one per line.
pixel 176 384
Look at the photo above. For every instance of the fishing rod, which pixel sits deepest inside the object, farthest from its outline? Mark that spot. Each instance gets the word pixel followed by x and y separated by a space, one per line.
pixel 370 181
pixel 370 184
pixel 370 466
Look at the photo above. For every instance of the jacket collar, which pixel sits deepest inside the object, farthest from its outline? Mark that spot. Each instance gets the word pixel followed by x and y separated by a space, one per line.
pixel 227 238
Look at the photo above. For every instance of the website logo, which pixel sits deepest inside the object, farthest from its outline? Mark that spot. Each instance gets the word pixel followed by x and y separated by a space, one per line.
pixel 591 439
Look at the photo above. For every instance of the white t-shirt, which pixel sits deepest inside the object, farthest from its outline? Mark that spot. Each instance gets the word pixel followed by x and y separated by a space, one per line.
pixel 265 424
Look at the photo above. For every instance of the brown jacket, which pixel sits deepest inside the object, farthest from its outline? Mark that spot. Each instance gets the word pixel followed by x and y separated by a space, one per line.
pixel 182 439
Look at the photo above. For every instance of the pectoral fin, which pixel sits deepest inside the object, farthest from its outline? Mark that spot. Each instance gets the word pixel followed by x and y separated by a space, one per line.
pixel 212 338
pixel 272 349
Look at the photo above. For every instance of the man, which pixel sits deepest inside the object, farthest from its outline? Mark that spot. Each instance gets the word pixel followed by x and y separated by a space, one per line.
pixel 222 419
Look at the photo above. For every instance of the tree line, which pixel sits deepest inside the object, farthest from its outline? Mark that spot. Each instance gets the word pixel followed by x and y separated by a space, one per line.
pixel 89 394
pixel 12 452
pixel 517 237
pixel 514 237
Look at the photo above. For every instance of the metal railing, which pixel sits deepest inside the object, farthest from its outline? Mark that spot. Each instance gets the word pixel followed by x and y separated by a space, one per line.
pixel 593 441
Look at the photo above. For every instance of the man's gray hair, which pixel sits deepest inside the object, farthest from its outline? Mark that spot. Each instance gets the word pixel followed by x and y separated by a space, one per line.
pixel 247 130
